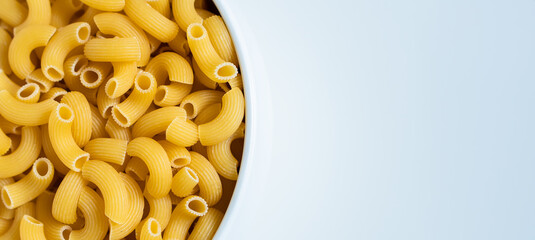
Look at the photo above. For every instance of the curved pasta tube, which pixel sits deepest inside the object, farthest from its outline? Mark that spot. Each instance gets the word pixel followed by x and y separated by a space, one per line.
pixel 94 74
pixel 221 157
pixel 5 143
pixel 183 216
pixel 137 169
pixel 209 62
pixel 63 10
pixel 96 223
pixel 151 230
pixel 39 78
pixel 6 213
pixel 39 13
pixel 172 94
pixel 88 16
pixel 179 44
pixel 81 124
pixel 74 66
pixel 98 124
pixel 154 156
pixel 50 153
pixel 116 131
pixel 7 84
pixel 29 187
pixel 228 120
pixel 104 103
pixel 52 228
pixel 23 157
pixel 159 209
pixel 67 196
pixel 130 110
pixel 64 41
pixel 178 156
pixel 221 39
pixel 22 45
pixel 233 83
pixel 182 132
pixel 26 114
pixel 112 187
pixel 201 77
pixel 107 149
pixel 197 101
pixel 31 229
pixel 59 129
pixel 54 94
pixel 106 5
pixel 172 65
pixel 184 182
pixel 5 40
pixel 14 230
pixel 153 22
pixel 4 225
pixel 208 114
pixel 185 13
pixel 162 6
pixel 121 26
pixel 113 50
pixel 122 80
pixel 207 225
pixel 12 12
pixel 210 186
pixel 135 209
pixel 157 121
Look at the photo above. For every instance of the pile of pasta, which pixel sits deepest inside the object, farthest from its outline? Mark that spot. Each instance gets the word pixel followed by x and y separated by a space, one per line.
pixel 120 119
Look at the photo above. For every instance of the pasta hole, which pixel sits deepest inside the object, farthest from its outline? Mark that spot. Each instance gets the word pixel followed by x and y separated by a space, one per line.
pixel 80 161
pixel 90 77
pixel 160 94
pixel 6 198
pixel 65 113
pixel 180 161
pixel 41 167
pixel 80 65
pixel 227 71
pixel 54 73
pixel 189 109
pixel 154 227
pixel 197 206
pixel 32 220
pixel 143 82
pixel 121 119
pixel 28 90
pixel 196 31
pixel 192 174
pixel 111 87
pixel 84 33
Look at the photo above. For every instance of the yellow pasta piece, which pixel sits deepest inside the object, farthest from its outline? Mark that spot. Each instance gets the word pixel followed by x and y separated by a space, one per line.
pixel 52 228
pixel 209 182
pixel 228 120
pixel 39 78
pixel 162 6
pixel 59 128
pixel 4 225
pixel 116 131
pixel 208 114
pixel 172 94
pixel 184 13
pixel 54 94
pixel 184 182
pixel 63 10
pixel 5 40
pixel 207 225
pixel 135 209
pixel 98 124
pixel 9 127
pixel 183 216
pixel 14 230
pixel 170 65
pixel 27 114
pixel 88 16
pixel 122 80
pixel 113 50
pixel 106 5
pixel 31 229
pixel 50 153
pixel 201 77
pixel 112 187
pixel 24 155
pixel 67 196
pixel 130 110
pixel 104 103
pixel 220 155
pixel 6 213
pixel 73 68
pixel 154 43
pixel 28 93
pixel 151 230
pixel 209 62
pixel 137 169
pixel 96 223
pixel 204 13
pixel 107 149
pixel 220 38
pixel 39 13
pixel 197 101
pixel 156 121
pixel 178 156
pixel 29 187
pixel 64 41
pixel 12 12
pixel 153 22
pixel 182 132
pixel 7 84
pixel 233 83
pixel 179 44
pixel 24 42
pixel 155 157
pixel 94 74
pixel 121 26
pixel 81 125
pixel 5 143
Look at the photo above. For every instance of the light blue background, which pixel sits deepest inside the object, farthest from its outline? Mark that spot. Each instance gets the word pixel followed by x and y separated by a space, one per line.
pixel 388 119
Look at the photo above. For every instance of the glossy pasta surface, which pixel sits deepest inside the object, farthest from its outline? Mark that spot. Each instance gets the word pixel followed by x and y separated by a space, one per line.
pixel 119 119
